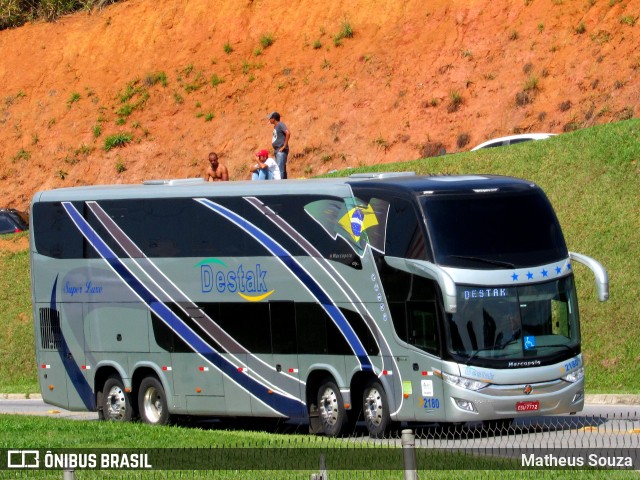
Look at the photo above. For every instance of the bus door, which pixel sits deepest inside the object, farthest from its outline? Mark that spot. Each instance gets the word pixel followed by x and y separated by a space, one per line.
pixel 422 331
pixel 61 359
pixel 416 323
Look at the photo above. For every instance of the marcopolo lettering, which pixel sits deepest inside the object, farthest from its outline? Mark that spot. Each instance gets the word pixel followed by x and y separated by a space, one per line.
pixel 241 280
pixel 485 293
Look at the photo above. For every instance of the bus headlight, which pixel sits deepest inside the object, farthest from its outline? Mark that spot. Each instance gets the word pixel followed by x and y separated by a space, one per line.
pixel 574 376
pixel 463 382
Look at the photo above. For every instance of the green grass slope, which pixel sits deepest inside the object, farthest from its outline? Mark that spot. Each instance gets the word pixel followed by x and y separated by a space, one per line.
pixel 592 178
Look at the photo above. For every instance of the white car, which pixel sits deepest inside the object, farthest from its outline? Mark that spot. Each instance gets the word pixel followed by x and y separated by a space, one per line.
pixel 512 140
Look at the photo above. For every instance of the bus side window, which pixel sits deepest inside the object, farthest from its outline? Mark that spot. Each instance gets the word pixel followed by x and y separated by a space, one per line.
pixel 311 331
pixel 416 324
pixel 248 324
pixel 283 327
pixel 317 333
pixel 422 325
pixel 404 235
pixel 55 234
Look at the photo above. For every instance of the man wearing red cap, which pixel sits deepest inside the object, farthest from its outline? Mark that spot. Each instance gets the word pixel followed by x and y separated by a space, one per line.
pixel 265 168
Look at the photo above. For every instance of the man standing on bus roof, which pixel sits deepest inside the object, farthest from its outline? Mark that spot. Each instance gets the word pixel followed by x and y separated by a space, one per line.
pixel 280 142
pixel 216 170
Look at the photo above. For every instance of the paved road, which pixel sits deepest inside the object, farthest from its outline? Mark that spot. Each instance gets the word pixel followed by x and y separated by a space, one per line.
pixel 35 406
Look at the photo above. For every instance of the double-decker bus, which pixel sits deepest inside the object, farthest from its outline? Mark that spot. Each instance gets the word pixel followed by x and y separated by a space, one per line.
pixel 382 297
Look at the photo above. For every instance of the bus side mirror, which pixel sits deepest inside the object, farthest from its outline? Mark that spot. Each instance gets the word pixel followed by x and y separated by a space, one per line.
pixel 602 279
pixel 432 271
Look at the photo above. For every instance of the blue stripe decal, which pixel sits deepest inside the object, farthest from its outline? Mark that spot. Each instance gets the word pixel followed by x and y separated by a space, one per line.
pixel 285 405
pixel 314 287
pixel 73 371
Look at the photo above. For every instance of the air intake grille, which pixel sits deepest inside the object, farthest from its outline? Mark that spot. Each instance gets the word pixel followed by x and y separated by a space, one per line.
pixel 50 329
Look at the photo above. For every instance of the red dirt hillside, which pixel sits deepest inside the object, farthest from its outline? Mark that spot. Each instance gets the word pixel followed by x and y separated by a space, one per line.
pixel 184 78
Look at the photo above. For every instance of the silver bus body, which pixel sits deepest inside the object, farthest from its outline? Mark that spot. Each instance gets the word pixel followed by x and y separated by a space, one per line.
pixel 383 297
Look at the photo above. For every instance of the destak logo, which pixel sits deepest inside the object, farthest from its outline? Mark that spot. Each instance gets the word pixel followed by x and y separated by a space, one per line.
pixel 248 281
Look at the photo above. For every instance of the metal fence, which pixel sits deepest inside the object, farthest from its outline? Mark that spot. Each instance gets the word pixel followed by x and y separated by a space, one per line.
pixel 564 447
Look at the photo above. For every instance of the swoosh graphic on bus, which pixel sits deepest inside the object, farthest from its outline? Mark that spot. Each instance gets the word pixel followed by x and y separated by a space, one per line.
pixel 301 274
pixel 342 283
pixel 280 403
pixel 255 298
pixel 166 288
pixel 74 373
pixel 207 261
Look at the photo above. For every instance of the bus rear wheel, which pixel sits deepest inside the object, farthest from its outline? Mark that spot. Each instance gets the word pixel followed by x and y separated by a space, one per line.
pixel 331 411
pixel 375 407
pixel 152 402
pixel 115 402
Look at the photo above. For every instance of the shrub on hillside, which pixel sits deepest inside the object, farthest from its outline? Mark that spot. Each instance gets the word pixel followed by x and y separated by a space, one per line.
pixel 14 13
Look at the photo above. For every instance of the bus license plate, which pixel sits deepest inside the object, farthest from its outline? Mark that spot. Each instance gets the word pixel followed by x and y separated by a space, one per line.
pixel 527 406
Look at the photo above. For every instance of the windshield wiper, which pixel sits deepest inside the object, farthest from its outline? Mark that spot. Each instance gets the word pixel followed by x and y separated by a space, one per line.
pixel 571 349
pixel 475 353
pixel 485 260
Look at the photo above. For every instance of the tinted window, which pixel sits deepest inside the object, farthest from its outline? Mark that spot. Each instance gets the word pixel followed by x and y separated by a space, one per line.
pixel 416 324
pixel 55 234
pixel 404 230
pixel 270 327
pixel 179 228
pixel 158 227
pixel 519 140
pixel 485 230
pixel 404 233
pixel 6 225
pixel 317 333
pixel 362 331
pixel 291 210
pixel 401 286
pixel 283 327
pixel 248 324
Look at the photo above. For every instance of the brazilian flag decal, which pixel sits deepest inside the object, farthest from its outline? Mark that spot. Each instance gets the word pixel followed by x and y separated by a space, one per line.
pixel 358 223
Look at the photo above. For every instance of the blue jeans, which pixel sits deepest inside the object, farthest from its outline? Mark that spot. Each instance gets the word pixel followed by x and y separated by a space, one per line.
pixel 260 174
pixel 281 160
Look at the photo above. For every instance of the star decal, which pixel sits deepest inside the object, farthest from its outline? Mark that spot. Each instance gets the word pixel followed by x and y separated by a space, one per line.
pixel 544 273
pixel 529 275
pixel 514 277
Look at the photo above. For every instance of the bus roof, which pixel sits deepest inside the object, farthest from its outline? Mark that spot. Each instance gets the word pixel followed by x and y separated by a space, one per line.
pixel 339 186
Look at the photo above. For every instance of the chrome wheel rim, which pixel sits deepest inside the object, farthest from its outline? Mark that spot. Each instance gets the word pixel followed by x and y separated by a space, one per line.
pixel 329 406
pixel 373 407
pixel 116 403
pixel 152 405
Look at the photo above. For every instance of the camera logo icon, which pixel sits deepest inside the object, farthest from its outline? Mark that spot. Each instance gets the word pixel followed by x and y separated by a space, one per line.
pixel 23 459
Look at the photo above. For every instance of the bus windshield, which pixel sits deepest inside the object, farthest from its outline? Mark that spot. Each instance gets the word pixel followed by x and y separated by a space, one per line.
pixel 493 230
pixel 515 326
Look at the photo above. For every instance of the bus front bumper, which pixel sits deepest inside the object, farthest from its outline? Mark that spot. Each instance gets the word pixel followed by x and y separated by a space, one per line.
pixel 512 401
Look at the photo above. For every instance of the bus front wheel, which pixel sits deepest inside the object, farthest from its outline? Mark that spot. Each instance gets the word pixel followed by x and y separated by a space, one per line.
pixel 331 411
pixel 115 402
pixel 376 410
pixel 152 402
